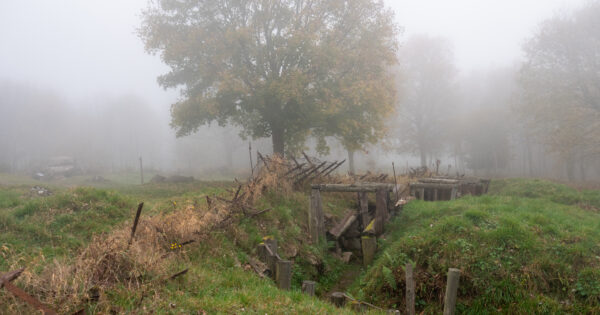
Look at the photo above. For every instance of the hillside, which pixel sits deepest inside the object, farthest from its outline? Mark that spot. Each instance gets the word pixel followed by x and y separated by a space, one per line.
pixel 530 246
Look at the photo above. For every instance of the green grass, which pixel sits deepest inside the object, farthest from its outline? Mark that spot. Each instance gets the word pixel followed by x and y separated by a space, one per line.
pixel 528 247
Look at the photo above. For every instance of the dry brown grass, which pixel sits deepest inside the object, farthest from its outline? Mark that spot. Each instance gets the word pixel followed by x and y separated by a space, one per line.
pixel 67 284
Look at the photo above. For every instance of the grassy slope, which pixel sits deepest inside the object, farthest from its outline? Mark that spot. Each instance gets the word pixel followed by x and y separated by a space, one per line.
pixel 530 246
pixel 36 230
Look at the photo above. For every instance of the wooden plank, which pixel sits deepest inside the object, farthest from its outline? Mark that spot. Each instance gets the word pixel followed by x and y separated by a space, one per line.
pixel 410 290
pixel 369 246
pixel 363 203
pixel 28 298
pixel 451 291
pixel 343 225
pixel 308 287
pixel 432 186
pixel 438 181
pixel 381 210
pixel 284 274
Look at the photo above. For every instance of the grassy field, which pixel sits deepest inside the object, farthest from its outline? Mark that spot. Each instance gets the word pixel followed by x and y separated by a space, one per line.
pixel 530 246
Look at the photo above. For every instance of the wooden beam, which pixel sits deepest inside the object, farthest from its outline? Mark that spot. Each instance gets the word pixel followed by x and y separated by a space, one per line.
pixel 381 211
pixel 343 225
pixel 362 187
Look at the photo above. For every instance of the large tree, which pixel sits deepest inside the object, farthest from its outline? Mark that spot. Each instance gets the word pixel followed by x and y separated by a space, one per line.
pixel 428 90
pixel 265 65
pixel 560 86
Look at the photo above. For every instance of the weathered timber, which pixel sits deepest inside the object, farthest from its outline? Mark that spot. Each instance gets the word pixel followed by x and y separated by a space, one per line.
pixel 272 264
pixel 451 291
pixel 28 298
pixel 343 225
pixel 410 289
pixel 432 186
pixel 10 276
pixel 135 221
pixel 284 274
pixel 308 287
pixel 262 252
pixel 381 210
pixel 438 181
pixel 362 187
pixel 271 242
pixel 338 299
pixel 369 246
pixel 324 170
pixel 301 179
pixel 453 193
pixel 369 229
pixel 363 203
pixel 316 218
pixel 333 169
pixel 307 158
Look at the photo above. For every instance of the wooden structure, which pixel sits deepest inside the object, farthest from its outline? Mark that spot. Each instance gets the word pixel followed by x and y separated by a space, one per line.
pixel 316 218
pixel 436 189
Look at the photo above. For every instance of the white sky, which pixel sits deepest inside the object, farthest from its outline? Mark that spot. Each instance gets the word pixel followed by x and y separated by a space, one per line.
pixel 83 49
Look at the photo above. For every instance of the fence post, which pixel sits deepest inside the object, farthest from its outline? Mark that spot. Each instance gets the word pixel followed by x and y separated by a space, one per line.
pixel 284 274
pixel 451 291
pixel 410 290
pixel 369 246
pixel 308 287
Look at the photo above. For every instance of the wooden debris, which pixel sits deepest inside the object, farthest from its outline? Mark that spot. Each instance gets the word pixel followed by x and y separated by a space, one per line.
pixel 369 247
pixel 308 287
pixel 343 225
pixel 284 274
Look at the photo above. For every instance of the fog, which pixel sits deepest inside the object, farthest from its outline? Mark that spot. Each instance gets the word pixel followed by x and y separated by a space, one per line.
pixel 79 79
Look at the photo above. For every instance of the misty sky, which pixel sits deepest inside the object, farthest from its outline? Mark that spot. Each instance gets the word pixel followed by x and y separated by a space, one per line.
pixel 84 49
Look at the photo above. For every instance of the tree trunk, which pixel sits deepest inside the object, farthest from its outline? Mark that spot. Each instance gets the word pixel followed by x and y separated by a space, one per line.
pixel 278 141
pixel 352 170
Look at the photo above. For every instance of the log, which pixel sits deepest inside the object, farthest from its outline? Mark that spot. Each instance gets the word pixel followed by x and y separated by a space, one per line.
pixel 362 187
pixel 10 276
pixel 338 299
pixel 308 287
pixel 284 274
pixel 451 291
pixel 432 186
pixel 343 225
pixel 369 246
pixel 410 290
pixel 381 211
pixel 438 181
pixel 333 169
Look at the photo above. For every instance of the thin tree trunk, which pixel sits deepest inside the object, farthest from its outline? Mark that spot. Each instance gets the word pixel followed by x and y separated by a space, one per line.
pixel 423 157
pixel 351 169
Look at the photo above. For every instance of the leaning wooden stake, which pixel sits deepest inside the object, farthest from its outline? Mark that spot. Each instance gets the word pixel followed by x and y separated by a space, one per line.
pixel 395 183
pixel 135 221
pixel 308 287
pixel 451 291
pixel 284 274
pixel 410 290
pixel 5 282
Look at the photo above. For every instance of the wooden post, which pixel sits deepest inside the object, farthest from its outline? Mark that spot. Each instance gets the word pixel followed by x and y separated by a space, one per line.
pixel 422 193
pixel 250 153
pixel 435 194
pixel 369 246
pixel 141 171
pixel 284 274
pixel 451 291
pixel 272 264
pixel 262 252
pixel 338 299
pixel 363 203
pixel 135 222
pixel 308 287
pixel 316 224
pixel 410 290
pixel 453 193
pixel 381 212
